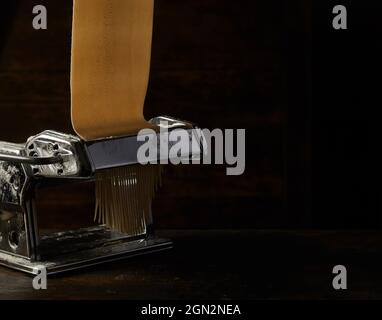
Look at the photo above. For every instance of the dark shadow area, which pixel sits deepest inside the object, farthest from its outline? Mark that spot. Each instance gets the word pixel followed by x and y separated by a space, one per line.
pixel 10 9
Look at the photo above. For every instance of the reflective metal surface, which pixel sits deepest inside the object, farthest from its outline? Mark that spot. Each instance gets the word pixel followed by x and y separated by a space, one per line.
pixel 13 237
pixel 53 158
pixel 55 145
pixel 123 151
pixel 83 248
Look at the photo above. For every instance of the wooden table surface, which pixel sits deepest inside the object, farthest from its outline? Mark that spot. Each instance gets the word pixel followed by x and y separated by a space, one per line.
pixel 225 265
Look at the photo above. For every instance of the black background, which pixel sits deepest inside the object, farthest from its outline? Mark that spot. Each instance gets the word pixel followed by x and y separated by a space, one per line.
pixel 346 117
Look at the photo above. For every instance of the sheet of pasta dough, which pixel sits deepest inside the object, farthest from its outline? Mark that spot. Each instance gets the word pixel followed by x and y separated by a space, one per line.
pixel 111 50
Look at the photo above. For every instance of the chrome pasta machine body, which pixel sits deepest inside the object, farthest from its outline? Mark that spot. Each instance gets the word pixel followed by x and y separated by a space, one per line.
pixel 54 159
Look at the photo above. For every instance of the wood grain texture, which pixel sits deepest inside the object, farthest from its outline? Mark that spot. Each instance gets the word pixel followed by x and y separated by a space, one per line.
pixel 227 265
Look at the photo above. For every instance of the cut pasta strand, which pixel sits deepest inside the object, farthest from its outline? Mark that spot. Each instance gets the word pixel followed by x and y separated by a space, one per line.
pixel 124 196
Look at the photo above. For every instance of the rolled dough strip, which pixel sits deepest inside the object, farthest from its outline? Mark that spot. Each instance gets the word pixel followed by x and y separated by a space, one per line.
pixel 111 50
